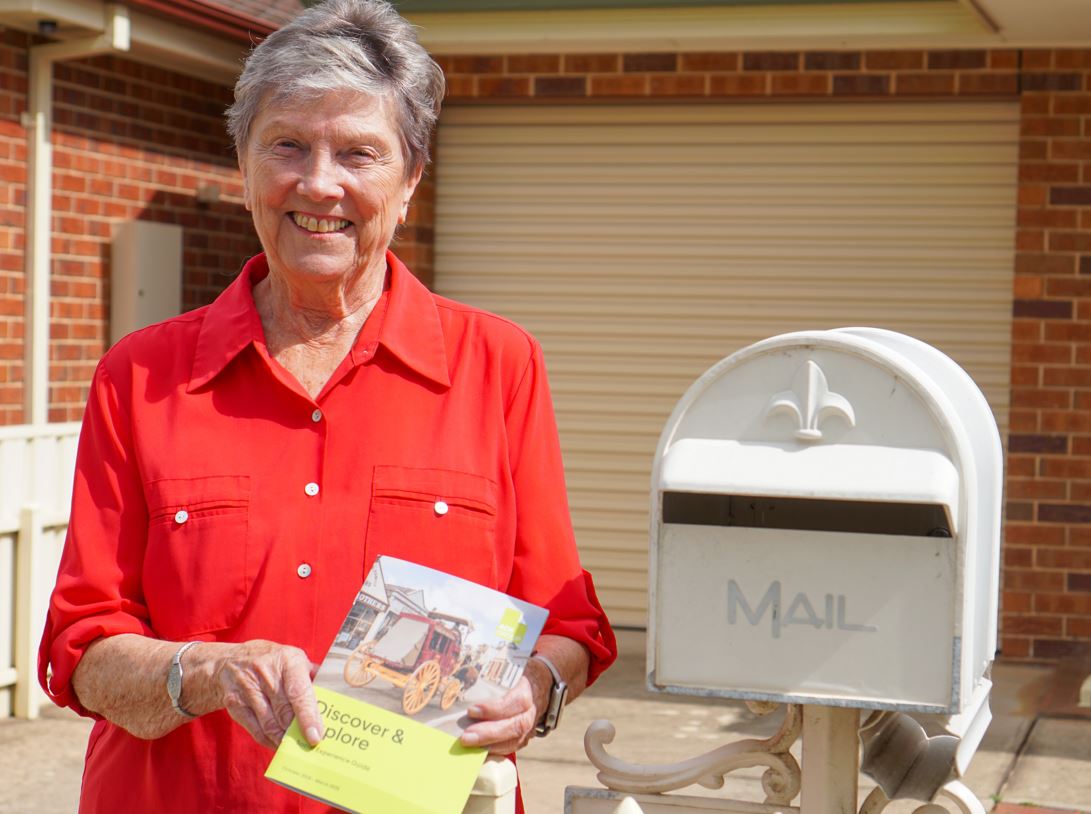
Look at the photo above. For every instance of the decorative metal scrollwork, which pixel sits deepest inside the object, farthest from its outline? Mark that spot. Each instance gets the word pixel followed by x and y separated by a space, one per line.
pixel 781 782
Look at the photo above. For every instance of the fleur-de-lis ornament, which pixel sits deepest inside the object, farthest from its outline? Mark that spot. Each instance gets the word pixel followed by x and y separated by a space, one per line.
pixel 810 401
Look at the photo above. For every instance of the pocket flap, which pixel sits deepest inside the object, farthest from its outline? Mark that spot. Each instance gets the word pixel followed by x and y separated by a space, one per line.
pixel 207 492
pixel 453 487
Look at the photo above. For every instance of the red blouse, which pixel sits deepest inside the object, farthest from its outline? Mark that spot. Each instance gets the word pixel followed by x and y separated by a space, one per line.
pixel 215 500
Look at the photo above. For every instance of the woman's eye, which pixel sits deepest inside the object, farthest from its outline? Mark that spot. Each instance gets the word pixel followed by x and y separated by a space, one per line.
pixel 285 145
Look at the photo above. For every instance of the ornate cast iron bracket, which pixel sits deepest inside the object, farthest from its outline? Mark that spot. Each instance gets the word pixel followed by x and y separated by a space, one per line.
pixel 781 781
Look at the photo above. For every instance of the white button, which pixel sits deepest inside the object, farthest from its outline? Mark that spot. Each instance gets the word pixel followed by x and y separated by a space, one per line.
pixel 311 489
pixel 316 416
pixel 304 570
pixel 441 508
pixel 181 516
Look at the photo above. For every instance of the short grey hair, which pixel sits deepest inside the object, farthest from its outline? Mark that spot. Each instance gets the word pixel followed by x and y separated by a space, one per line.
pixel 356 45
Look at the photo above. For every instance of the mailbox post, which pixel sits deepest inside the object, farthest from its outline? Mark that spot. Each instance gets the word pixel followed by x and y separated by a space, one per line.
pixel 825 525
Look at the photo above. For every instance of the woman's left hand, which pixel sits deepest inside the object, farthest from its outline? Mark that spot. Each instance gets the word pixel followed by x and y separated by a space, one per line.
pixel 506 724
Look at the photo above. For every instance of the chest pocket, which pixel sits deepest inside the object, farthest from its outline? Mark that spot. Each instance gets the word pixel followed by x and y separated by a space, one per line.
pixel 436 517
pixel 197 567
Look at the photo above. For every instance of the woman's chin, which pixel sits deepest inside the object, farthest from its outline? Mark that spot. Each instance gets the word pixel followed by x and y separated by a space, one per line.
pixel 321 267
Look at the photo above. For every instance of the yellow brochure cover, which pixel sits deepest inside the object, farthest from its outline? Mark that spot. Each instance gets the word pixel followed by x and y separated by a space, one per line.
pixel 417 648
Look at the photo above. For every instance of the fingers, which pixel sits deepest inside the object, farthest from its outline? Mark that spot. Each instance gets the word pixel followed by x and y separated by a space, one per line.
pixel 505 724
pixel 265 685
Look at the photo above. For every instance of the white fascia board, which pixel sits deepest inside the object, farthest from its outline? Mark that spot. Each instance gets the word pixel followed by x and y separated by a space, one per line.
pixel 186 50
pixel 837 26
pixel 153 40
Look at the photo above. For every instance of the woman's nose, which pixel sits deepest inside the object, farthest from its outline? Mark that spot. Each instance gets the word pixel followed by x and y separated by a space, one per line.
pixel 319 181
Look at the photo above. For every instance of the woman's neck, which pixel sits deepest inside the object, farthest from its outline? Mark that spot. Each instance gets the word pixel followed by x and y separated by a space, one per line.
pixel 310 329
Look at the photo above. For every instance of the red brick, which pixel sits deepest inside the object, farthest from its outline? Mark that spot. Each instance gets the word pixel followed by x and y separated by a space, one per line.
pixel 861 84
pixel 560 86
pixel 591 63
pixel 997 84
pixel 1062 602
pixel 1065 421
pixel 737 84
pixel 1069 104
pixel 1032 194
pixel 619 85
pixel 1037 489
pixel 643 63
pixel 893 60
pixel 1067 377
pixel 476 64
pixel 1034 625
pixel 534 63
pixel 677 85
pixel 1042 264
pixel 1033 535
pixel 959 60
pixel 770 61
pixel 800 84
pixel 1050 126
pixel 1068 286
pixel 1015 601
pixel 1049 218
pixel 924 84
pixel 1067 241
pixel 1050 173
pixel 1037 58
pixel 1072 59
pixel 1012 647
pixel 709 62
pixel 498 86
pixel 1003 59
pixel 1077 628
pixel 460 87
pixel 831 61
pixel 1033 150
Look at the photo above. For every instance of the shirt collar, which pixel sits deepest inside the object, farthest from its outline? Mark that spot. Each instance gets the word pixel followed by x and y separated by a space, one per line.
pixel 409 325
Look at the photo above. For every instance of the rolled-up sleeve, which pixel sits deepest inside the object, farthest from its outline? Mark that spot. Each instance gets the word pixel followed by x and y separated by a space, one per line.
pixel 547 568
pixel 98 590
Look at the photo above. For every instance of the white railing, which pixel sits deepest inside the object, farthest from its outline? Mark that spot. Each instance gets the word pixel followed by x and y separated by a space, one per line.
pixel 36 466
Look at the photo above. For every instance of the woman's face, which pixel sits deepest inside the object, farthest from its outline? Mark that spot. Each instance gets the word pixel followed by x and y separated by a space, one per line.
pixel 326 182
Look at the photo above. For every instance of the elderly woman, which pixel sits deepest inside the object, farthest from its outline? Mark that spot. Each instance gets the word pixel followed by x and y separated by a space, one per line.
pixel 242 465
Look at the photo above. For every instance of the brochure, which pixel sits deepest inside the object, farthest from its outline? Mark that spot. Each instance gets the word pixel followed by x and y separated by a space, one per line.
pixel 417 649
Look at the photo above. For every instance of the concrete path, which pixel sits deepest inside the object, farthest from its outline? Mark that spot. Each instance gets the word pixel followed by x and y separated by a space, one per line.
pixel 1028 764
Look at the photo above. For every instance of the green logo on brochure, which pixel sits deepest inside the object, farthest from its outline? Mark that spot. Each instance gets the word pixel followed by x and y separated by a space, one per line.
pixel 512 628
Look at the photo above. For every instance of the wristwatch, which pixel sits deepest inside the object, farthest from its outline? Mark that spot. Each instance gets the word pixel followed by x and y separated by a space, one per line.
pixel 174 680
pixel 558 695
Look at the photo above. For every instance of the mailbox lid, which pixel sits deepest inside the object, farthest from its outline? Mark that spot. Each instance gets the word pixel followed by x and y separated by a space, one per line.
pixel 841 472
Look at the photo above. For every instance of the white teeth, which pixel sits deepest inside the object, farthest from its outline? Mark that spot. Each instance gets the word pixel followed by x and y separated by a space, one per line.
pixel 312 224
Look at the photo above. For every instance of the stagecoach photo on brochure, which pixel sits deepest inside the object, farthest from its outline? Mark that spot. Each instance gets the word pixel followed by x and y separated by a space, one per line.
pixel 425 644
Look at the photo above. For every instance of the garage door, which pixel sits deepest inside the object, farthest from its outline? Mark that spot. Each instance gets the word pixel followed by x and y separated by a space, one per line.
pixel 641 244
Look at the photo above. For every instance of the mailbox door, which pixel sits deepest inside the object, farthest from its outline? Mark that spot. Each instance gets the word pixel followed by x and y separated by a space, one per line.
pixel 862 620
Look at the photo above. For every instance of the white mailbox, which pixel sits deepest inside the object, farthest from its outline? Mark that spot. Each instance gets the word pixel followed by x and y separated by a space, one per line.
pixel 825 528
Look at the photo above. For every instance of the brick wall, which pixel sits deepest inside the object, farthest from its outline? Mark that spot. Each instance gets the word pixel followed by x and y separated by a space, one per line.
pixel 1046 602
pixel 130 142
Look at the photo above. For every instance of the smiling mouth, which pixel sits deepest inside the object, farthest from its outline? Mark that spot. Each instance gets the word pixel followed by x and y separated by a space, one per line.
pixel 319 225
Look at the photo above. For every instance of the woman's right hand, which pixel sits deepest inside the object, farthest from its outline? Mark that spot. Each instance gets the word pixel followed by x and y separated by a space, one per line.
pixel 264 685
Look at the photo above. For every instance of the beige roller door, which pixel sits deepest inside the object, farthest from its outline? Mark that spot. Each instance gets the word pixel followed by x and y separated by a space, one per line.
pixel 641 244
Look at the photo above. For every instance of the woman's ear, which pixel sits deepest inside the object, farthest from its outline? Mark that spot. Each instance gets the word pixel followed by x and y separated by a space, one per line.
pixel 245 186
pixel 410 188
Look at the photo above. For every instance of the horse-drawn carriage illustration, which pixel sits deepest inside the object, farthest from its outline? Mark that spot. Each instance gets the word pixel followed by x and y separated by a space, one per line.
pixel 421 654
